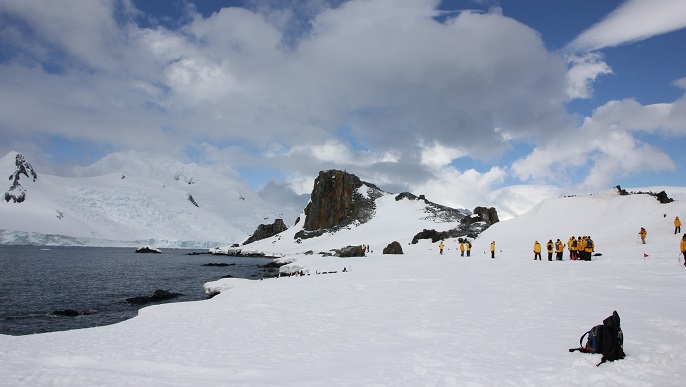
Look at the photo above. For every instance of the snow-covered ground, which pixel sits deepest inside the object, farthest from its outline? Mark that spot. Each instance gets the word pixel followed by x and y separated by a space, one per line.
pixel 415 319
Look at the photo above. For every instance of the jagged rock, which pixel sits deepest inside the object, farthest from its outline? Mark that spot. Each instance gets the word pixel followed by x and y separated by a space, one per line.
pixel 663 198
pixel 436 236
pixel 16 193
pixel 267 230
pixel 488 215
pixel 335 202
pixel 405 195
pixel 159 295
pixel 350 251
pixel 393 248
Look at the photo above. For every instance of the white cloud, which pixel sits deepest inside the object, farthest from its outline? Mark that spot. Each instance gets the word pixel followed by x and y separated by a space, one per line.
pixel 605 147
pixel 633 21
pixel 584 69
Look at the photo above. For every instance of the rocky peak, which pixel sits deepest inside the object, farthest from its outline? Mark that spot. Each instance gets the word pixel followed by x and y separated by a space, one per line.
pixel 339 199
pixel 16 193
pixel 267 230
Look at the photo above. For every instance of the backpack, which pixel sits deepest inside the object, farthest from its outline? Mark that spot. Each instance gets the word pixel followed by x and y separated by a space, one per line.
pixel 589 243
pixel 606 339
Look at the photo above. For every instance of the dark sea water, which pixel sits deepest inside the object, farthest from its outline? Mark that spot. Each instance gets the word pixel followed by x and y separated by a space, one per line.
pixel 96 281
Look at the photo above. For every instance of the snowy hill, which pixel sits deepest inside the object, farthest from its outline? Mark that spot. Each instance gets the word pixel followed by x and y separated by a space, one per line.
pixel 393 220
pixel 130 198
pixel 417 319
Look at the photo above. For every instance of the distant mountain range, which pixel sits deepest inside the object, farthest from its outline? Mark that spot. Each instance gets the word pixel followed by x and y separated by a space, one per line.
pixel 128 199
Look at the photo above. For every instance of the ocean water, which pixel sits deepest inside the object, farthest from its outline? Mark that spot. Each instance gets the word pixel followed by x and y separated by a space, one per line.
pixel 96 281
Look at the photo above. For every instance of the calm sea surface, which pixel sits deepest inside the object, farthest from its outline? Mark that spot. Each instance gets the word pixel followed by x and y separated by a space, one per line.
pixel 96 281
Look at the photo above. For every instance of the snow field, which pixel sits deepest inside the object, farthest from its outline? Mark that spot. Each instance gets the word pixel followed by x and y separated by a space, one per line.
pixel 418 319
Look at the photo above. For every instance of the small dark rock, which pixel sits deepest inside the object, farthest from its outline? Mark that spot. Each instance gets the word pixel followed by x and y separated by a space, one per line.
pixel 66 312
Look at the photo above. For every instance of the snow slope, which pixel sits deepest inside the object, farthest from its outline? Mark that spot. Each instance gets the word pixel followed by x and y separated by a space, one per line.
pixel 131 198
pixel 418 319
pixel 393 220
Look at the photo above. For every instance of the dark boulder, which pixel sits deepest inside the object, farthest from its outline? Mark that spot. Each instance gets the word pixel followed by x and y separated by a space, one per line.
pixel 393 248
pixel 266 231
pixel 350 251
pixel 488 215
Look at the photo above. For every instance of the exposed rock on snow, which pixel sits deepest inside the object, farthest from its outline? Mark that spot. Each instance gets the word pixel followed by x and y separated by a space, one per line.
pixel 350 251
pixel 267 230
pixel 337 200
pixel 489 215
pixel 16 193
pixel 393 248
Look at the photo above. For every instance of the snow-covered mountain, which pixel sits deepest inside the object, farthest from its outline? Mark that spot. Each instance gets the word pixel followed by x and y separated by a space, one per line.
pixel 127 199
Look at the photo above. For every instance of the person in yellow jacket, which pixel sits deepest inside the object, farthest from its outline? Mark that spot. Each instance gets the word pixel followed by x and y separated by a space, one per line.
pixel 537 251
pixel 683 248
pixel 559 248
pixel 677 226
pixel 643 234
pixel 468 246
pixel 550 246
pixel 571 244
pixel 589 246
pixel 461 249
pixel 440 247
pixel 493 249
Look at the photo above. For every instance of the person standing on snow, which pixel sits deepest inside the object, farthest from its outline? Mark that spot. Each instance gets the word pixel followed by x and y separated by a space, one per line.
pixel 469 248
pixel 589 246
pixel 550 247
pixel 683 248
pixel 677 226
pixel 493 249
pixel 440 247
pixel 537 251
pixel 461 248
pixel 643 234
pixel 571 244
pixel 559 248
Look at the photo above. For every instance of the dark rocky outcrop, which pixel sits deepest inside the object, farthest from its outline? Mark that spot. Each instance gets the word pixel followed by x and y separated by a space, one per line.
pixel 16 193
pixel 336 202
pixel 266 231
pixel 159 295
pixel 488 215
pixel 219 264
pixel 350 251
pixel 393 248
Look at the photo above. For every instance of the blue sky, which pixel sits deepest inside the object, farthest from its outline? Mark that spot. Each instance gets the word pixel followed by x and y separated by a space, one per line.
pixel 460 100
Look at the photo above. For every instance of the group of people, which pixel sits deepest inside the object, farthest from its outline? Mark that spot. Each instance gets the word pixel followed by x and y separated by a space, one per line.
pixel 465 245
pixel 579 249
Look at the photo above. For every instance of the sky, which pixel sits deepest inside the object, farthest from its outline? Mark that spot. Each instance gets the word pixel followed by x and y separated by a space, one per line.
pixel 452 99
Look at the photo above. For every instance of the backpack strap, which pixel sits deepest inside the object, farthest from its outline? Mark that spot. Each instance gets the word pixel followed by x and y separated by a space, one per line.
pixel 581 344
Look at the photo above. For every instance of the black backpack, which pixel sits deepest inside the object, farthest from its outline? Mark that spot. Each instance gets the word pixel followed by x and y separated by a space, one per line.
pixel 607 339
